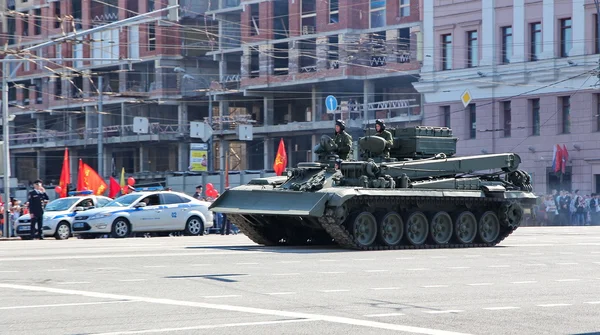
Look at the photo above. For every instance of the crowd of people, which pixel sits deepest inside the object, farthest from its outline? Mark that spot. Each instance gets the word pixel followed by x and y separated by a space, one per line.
pixel 566 208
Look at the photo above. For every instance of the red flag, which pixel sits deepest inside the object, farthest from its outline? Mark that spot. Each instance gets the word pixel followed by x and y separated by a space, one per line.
pixel 565 158
pixel 113 188
pixel 65 175
pixel 80 178
pixel 559 155
pixel 90 180
pixel 280 159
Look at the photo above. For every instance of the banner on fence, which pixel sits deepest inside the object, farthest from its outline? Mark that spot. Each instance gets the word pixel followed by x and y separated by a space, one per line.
pixel 199 157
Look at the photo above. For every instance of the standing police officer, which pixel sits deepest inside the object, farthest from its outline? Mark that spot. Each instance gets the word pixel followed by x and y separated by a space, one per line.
pixel 37 199
pixel 343 140
pixel 386 135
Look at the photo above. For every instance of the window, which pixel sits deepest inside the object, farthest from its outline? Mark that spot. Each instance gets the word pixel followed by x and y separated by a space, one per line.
pixel 507 44
pixel 596 115
pixel 151 36
pixel 57 15
pixel 38 21
pixel 535 117
pixel 536 41
pixel 404 8
pixel 506 115
pixel 25 26
pixel 170 198
pixel 150 5
pixel 445 111
pixel 566 37
pixel 334 11
pixel 472 117
pixel 566 114
pixel 472 49
pixel 447 52
pixel 597 39
pixel 254 19
pixel 377 11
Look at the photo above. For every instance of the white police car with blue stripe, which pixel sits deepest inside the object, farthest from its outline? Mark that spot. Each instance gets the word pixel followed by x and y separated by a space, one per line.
pixel 145 210
pixel 59 214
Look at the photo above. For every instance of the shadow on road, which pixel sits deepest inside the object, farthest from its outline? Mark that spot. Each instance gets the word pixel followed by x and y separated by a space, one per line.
pixel 282 249
pixel 217 277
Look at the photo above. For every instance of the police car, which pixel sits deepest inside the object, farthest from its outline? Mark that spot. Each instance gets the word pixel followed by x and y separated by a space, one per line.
pixel 59 214
pixel 145 210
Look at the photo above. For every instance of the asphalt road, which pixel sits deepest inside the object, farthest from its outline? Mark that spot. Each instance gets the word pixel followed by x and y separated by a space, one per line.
pixel 542 280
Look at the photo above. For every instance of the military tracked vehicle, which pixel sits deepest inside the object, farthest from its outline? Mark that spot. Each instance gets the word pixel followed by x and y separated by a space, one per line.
pixel 418 196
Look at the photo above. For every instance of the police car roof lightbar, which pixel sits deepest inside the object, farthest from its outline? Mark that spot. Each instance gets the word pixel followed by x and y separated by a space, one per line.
pixel 88 192
pixel 153 188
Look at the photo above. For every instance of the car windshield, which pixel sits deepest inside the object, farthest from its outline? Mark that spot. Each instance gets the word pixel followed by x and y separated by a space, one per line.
pixel 60 204
pixel 123 201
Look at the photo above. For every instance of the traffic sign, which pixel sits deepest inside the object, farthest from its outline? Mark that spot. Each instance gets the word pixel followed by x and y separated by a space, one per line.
pixel 466 98
pixel 201 130
pixel 331 103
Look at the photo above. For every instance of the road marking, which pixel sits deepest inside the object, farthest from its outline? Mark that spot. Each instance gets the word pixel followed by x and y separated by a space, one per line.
pixel 69 304
pixel 459 267
pixel 132 280
pixel 9 271
pixel 567 263
pixel 444 312
pixel 222 296
pixel 524 282
pixel 432 286
pixel 405 258
pixel 438 257
pixel 567 253
pixel 164 330
pixel 472 256
pixel 377 270
pixel 498 266
pixel 286 274
pixel 327 260
pixel 595 252
pixel 500 308
pixel 417 269
pixel 480 284
pixel 281 293
pixel 155 266
pixel 56 270
pixel 289 262
pixel 385 288
pixel 382 315
pixel 592 302
pixel 506 255
pixel 246 263
pixel 179 254
pixel 331 272
pixel 201 264
pixel 331 291
pixel 553 305
pixel 109 268
pixel 562 280
pixel 535 264
pixel 536 254
pixel 73 282
pixel 241 309
pixel 363 259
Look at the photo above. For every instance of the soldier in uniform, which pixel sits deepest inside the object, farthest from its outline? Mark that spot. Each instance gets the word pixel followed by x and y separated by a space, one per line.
pixel 37 199
pixel 386 135
pixel 342 140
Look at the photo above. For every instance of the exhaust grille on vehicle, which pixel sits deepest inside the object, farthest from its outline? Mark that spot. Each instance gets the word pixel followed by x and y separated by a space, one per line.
pixel 81 217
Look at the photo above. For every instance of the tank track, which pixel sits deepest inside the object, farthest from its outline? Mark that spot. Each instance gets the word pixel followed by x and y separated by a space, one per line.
pixel 344 238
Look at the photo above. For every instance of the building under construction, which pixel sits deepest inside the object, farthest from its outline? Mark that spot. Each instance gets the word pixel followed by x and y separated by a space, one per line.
pixel 267 65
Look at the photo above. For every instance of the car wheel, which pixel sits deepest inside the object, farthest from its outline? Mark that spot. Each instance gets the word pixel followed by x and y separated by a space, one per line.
pixel 194 226
pixel 63 231
pixel 120 228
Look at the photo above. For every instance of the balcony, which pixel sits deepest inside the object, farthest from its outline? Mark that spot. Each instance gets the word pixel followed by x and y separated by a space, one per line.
pixel 112 134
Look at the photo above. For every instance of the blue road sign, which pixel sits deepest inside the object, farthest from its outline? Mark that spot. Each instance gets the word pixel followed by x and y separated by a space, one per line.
pixel 331 103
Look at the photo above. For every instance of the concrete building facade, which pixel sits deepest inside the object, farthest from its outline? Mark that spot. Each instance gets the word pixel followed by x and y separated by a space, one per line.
pixel 531 70
pixel 156 69
pixel 278 60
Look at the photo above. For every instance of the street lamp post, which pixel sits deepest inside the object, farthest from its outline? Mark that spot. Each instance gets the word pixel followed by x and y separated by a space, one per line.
pixel 6 160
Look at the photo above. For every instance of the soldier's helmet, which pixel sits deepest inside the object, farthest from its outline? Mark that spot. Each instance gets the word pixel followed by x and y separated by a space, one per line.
pixel 380 123
pixel 341 123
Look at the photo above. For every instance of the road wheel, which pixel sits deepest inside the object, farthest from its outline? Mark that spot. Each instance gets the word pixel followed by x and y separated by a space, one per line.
pixel 364 229
pixel 391 229
pixel 120 228
pixel 441 228
pixel 489 227
pixel 417 228
pixel 194 226
pixel 63 231
pixel 465 227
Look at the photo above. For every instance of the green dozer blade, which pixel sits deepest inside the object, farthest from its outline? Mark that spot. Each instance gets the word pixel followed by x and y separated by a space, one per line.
pixel 270 203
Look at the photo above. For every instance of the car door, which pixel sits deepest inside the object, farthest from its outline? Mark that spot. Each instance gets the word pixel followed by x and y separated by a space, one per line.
pixel 147 218
pixel 174 215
